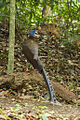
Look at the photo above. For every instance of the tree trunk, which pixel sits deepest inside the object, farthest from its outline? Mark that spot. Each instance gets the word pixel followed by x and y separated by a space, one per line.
pixel 11 37
pixel 46 10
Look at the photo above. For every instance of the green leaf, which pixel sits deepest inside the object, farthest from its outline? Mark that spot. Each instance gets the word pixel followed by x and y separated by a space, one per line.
pixel 44 117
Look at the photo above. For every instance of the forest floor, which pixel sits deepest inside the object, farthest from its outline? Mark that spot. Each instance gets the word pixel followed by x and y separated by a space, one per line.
pixel 31 105
pixel 62 63
pixel 27 108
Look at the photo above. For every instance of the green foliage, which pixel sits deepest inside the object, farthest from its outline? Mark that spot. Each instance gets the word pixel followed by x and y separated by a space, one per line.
pixel 71 85
pixel 2 113
pixel 4 55
pixel 4 9
pixel 29 14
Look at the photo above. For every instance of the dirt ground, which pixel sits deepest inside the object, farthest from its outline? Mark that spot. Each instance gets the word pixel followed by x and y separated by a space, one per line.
pixel 25 105
pixel 32 106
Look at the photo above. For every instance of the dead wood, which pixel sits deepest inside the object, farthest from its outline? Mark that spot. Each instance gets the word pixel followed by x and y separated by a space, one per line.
pixel 63 92
pixel 21 79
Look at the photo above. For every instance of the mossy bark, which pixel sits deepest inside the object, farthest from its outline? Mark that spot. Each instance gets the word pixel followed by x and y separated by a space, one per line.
pixel 11 37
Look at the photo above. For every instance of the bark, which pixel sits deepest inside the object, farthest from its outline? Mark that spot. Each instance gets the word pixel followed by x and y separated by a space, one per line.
pixel 46 10
pixel 11 37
